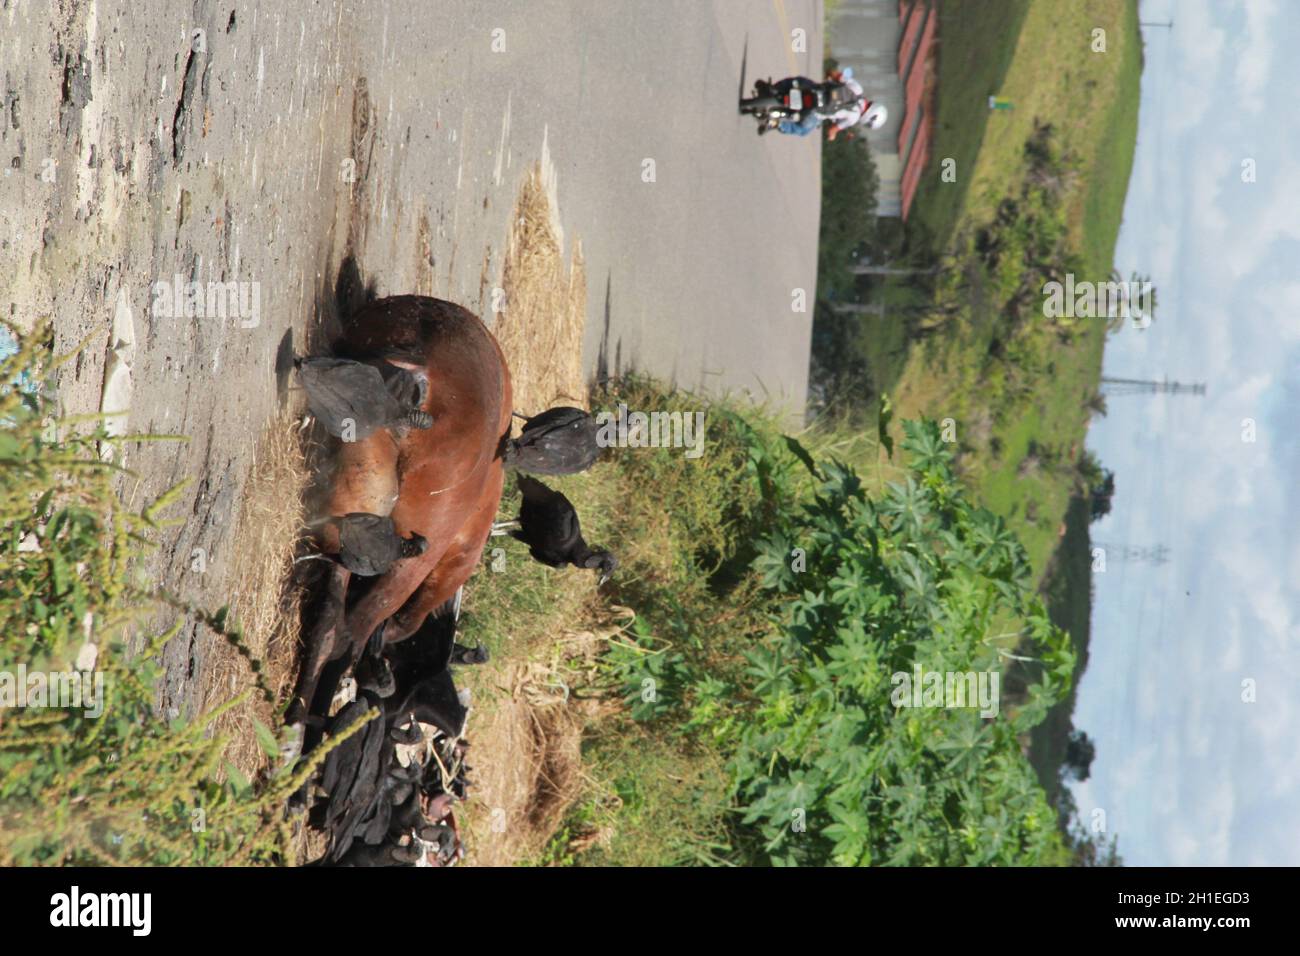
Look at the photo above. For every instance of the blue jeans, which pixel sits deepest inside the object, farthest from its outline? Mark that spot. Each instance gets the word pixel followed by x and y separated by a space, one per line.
pixel 805 126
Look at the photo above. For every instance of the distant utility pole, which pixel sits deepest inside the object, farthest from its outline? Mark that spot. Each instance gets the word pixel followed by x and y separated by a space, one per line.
pixel 1144 386
pixel 1131 554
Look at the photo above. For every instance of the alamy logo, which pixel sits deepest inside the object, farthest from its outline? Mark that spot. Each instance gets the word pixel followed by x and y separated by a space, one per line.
pixel 1099 300
pixel 923 688
pixel 103 909
pixel 60 689
pixel 626 429
pixel 181 299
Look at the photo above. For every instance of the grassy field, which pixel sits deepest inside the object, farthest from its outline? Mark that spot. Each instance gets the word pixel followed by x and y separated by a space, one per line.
pixel 975 52
pixel 1090 99
pixel 1055 76
pixel 1103 202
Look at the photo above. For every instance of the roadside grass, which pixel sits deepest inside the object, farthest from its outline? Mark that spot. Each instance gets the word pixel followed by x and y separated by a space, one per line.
pixel 269 532
pixel 663 672
pixel 549 735
pixel 682 529
pixel 652 788
pixel 651 803
pixel 976 46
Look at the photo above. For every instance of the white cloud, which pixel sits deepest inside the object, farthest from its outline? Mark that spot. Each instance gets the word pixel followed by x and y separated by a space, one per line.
pixel 1199 47
pixel 1254 53
pixel 1197 828
pixel 1191 774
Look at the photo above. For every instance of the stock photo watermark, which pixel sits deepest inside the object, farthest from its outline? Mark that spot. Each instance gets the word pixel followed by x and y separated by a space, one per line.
pixel 1099 300
pixel 205 300
pixel 949 689
pixel 62 690
pixel 624 429
pixel 75 908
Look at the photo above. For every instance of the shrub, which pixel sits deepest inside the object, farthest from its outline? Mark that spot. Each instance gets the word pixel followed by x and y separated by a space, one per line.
pixel 125 787
pixel 829 769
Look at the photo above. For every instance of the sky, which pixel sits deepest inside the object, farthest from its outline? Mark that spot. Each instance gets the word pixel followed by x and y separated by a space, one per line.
pixel 1187 772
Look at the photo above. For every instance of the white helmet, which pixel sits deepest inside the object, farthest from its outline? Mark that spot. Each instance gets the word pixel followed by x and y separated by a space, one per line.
pixel 875 117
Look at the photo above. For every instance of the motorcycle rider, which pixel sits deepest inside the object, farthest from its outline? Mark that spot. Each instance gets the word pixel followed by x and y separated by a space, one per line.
pixel 853 108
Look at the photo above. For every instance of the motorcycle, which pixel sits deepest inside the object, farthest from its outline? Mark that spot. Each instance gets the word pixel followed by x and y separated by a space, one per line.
pixel 792 99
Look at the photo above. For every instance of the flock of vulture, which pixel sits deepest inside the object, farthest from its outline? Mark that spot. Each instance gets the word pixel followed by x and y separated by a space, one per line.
pixel 418 393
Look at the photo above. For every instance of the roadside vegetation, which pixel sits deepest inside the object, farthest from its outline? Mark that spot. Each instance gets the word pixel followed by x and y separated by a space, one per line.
pixel 730 688
pixel 961 336
pixel 101 778
pixel 725 700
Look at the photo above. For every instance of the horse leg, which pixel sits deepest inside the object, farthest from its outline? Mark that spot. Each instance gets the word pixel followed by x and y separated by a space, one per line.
pixel 411 615
pixel 366 480
pixel 325 643
pixel 389 593
pixel 432 594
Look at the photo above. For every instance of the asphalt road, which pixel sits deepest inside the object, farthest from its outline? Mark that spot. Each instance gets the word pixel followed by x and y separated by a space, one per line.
pixel 143 141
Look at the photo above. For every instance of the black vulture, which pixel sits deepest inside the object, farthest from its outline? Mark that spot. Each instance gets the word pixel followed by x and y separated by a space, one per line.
pixel 376 811
pixel 460 654
pixel 548 524
pixel 369 544
pixel 559 441
pixel 370 397
pixel 354 776
pixel 383 854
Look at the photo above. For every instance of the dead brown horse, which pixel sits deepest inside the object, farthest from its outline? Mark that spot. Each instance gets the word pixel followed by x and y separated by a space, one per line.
pixel 443 482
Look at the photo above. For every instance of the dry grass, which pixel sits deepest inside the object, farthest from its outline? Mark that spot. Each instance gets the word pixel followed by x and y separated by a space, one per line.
pixel 526 731
pixel 527 756
pixel 541 325
pixel 527 761
pixel 266 600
